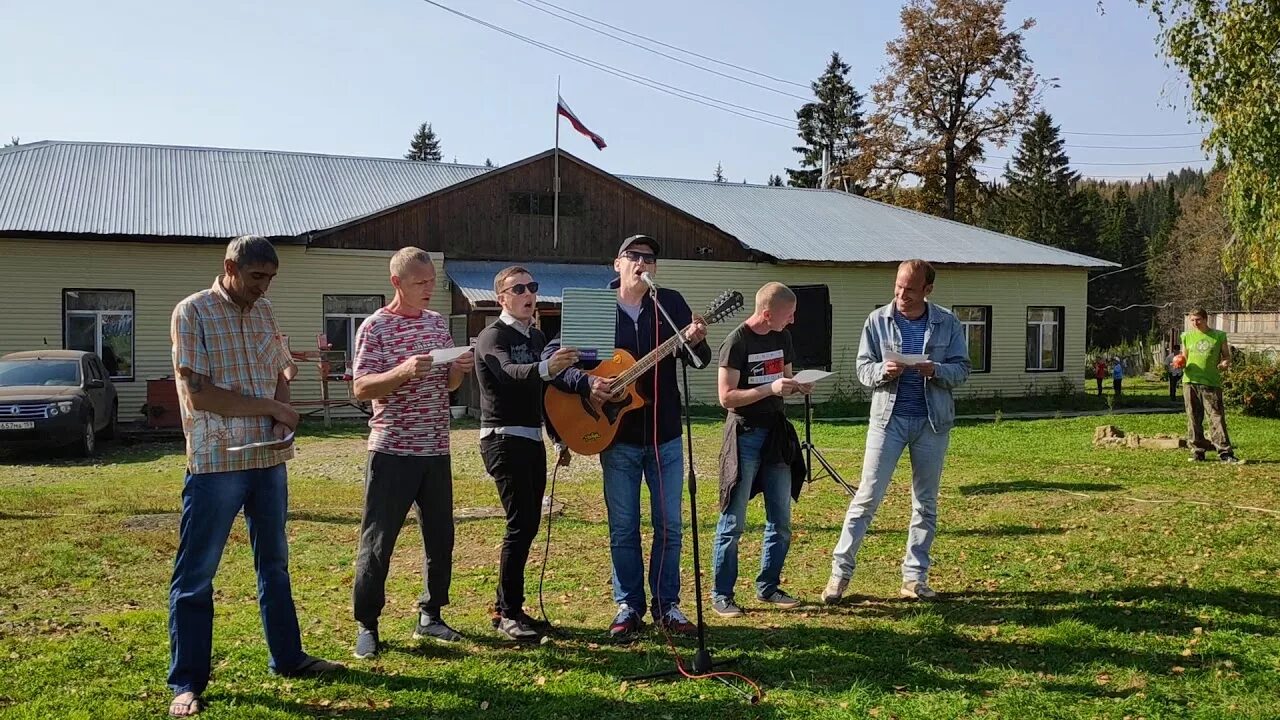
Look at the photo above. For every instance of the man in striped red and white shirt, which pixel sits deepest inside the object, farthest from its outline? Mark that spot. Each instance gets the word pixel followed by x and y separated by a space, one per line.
pixel 408 461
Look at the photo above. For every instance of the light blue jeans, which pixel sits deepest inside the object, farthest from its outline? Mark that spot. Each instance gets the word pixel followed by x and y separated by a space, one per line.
pixel 928 450
pixel 624 465
pixel 776 482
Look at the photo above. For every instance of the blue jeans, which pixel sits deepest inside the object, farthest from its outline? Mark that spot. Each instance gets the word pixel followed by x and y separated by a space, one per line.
pixel 776 482
pixel 623 464
pixel 210 503
pixel 928 450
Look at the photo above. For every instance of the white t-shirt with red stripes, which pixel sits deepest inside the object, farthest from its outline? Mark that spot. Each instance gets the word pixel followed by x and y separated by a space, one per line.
pixel 413 420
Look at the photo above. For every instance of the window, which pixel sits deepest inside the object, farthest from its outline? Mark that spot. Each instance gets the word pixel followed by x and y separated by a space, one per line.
pixel 101 321
pixel 342 317
pixel 1044 339
pixel 976 320
pixel 544 203
pixel 811 331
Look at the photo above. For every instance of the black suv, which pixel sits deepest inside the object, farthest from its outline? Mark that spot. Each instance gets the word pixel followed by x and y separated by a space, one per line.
pixel 56 399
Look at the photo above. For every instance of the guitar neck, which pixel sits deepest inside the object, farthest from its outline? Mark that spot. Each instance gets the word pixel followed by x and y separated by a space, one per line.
pixel 644 364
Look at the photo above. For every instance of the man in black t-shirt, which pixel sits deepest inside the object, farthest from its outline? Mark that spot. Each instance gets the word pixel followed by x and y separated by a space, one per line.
pixel 755 376
pixel 512 376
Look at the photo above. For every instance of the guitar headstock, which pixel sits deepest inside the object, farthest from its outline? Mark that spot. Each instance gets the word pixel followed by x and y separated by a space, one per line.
pixel 724 306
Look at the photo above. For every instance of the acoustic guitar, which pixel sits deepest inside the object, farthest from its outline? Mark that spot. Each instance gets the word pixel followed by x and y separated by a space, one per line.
pixel 588 429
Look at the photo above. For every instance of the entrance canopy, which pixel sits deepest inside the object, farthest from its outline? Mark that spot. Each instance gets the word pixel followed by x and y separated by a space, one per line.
pixel 474 278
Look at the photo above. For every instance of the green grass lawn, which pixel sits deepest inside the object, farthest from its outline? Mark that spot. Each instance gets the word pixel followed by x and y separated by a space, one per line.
pixel 1065 595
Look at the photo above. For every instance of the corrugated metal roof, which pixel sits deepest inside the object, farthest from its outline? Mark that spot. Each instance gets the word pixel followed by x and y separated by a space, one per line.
pixel 153 190
pixel 106 188
pixel 475 278
pixel 799 225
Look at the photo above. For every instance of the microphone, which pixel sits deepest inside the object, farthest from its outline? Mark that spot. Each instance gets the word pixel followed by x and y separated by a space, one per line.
pixel 648 280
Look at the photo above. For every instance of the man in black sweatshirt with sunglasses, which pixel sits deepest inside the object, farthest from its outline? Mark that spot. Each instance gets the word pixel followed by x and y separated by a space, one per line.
pixel 512 377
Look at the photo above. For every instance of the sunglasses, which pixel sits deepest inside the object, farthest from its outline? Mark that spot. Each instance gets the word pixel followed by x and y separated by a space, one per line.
pixel 519 288
pixel 640 257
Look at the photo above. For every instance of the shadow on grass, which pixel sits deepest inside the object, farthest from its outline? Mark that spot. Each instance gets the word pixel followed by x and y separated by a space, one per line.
pixel 950 646
pixel 1167 610
pixel 997 488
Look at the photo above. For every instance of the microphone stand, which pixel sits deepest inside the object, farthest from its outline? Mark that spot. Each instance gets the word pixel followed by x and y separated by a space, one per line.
pixel 702 662
pixel 810 452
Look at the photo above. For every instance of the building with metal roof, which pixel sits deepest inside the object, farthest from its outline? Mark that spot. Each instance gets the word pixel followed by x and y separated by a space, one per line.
pixel 101 240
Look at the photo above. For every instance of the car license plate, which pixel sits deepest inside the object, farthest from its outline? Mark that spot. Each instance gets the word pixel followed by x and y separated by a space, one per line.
pixel 17 425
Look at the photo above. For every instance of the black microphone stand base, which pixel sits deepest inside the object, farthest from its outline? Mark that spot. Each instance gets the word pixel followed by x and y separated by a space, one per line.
pixel 701 665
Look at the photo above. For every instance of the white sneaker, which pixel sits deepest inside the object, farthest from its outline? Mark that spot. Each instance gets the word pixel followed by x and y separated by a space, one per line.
pixel 916 590
pixel 835 589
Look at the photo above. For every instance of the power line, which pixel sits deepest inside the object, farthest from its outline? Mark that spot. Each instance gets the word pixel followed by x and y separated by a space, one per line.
pixel 665 55
pixel 630 76
pixel 1135 147
pixel 1113 272
pixel 1109 134
pixel 1153 162
pixel 1087 177
pixel 673 47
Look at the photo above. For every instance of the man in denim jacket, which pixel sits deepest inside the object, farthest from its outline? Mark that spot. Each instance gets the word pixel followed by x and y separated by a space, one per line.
pixel 911 408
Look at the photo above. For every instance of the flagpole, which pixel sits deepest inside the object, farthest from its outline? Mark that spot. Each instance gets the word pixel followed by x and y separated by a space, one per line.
pixel 555 188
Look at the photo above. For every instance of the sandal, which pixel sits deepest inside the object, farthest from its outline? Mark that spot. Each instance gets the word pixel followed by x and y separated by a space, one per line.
pixel 193 705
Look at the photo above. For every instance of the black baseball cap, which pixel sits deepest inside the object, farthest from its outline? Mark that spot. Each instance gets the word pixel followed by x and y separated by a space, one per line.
pixel 640 240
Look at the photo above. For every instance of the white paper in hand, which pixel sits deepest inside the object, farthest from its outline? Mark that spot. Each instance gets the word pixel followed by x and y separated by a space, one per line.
pixel 807 377
pixel 891 356
pixel 280 444
pixel 443 356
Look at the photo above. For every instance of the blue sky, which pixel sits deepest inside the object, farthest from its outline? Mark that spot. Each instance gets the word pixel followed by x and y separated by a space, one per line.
pixel 357 77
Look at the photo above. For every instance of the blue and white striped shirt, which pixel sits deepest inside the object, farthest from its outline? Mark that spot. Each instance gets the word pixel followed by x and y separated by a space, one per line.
pixel 910 398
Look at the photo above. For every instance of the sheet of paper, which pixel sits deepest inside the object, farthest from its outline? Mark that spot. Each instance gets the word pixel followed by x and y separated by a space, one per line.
pixel 588 319
pixel 283 442
pixel 805 377
pixel 891 356
pixel 441 356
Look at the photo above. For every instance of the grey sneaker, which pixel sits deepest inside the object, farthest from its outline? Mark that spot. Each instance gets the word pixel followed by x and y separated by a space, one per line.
pixel 779 598
pixel 834 590
pixel 517 629
pixel 433 628
pixel 366 643
pixel 916 590
pixel 1231 460
pixel 726 607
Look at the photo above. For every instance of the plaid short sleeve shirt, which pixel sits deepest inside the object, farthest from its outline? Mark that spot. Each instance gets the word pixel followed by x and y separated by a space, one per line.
pixel 238 350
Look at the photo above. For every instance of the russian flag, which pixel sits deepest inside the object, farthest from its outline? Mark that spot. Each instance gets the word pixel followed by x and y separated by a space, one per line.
pixel 562 108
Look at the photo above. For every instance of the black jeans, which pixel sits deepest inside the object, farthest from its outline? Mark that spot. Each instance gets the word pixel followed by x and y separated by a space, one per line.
pixel 394 483
pixel 518 467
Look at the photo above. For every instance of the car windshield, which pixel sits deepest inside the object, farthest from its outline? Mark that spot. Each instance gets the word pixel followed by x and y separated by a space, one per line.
pixel 39 372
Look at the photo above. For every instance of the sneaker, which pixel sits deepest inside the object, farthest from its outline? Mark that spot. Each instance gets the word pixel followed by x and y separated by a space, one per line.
pixel 1231 460
pixel 433 628
pixel 779 598
pixel 675 622
pixel 725 607
pixel 916 590
pixel 366 643
pixel 517 629
pixel 1197 457
pixel 834 590
pixel 625 624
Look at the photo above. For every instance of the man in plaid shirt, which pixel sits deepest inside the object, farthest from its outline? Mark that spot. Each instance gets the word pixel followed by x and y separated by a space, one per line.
pixel 231 365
